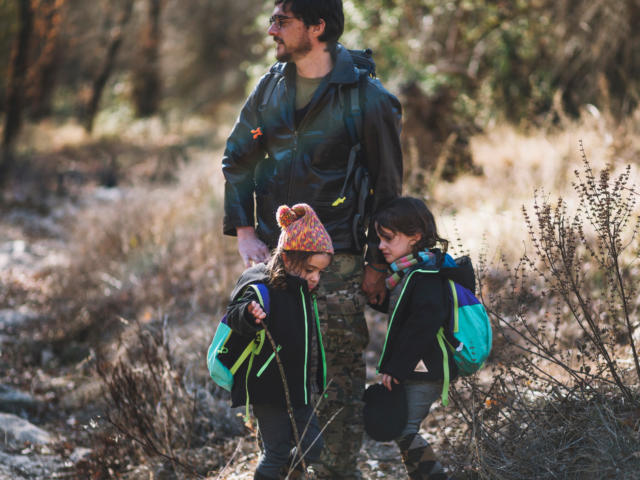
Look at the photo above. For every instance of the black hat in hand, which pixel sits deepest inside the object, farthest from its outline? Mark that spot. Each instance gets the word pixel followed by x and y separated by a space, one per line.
pixel 385 412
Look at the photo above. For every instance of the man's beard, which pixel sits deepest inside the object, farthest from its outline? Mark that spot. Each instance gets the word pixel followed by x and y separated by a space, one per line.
pixel 300 51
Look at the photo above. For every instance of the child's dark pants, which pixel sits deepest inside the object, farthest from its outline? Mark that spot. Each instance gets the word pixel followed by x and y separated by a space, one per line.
pixel 278 440
pixel 417 455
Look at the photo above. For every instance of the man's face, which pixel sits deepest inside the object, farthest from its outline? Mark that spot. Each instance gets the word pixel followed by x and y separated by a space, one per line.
pixel 290 34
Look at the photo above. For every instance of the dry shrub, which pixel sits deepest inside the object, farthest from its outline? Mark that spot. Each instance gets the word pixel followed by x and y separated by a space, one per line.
pixel 558 438
pixel 157 413
pixel 557 405
pixel 144 251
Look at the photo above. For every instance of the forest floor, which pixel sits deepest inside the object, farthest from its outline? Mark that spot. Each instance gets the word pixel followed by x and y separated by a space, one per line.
pixel 103 239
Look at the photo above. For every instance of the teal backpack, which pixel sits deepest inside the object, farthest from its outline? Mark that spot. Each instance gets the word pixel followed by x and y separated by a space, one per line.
pixel 470 325
pixel 229 350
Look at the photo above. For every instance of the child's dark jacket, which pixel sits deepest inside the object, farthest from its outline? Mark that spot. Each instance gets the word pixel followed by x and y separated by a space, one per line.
pixel 418 306
pixel 291 321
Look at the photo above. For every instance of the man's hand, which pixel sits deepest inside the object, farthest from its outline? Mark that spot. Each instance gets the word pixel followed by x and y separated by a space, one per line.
pixel 387 380
pixel 256 310
pixel 373 284
pixel 251 249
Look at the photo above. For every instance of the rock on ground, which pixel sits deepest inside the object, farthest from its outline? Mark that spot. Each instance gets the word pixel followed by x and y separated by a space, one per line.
pixel 16 431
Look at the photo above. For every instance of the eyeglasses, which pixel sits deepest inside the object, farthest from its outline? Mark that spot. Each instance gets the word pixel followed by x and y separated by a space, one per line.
pixel 279 20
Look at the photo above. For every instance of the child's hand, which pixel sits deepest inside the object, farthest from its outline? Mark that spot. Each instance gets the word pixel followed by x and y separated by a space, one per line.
pixel 256 310
pixel 387 379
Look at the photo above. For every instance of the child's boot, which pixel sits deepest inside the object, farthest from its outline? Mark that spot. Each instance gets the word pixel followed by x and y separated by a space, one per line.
pixel 419 459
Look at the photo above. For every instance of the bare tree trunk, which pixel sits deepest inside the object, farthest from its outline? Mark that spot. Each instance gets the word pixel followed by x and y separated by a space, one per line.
pixel 42 78
pixel 15 88
pixel 146 80
pixel 115 42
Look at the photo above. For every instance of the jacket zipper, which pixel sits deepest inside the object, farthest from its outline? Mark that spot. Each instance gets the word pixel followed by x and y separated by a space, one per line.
pixel 324 360
pixel 395 309
pixel 294 153
pixel 296 131
pixel 306 344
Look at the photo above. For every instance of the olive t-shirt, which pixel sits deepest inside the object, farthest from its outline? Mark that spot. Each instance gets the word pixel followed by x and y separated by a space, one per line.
pixel 305 88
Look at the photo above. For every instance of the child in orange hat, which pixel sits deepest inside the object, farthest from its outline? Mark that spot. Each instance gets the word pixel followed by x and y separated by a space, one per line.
pixel 291 275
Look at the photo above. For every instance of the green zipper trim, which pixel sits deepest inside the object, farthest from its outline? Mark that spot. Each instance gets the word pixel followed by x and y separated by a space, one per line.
pixel 393 315
pixel 306 344
pixel 324 359
pixel 269 360
pixel 454 294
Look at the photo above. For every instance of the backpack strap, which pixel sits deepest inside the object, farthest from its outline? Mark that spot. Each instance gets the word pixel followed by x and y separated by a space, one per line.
pixel 353 123
pixel 255 346
pixel 445 344
pixel 353 120
pixel 263 294
pixel 267 90
pixel 445 366
pixel 265 94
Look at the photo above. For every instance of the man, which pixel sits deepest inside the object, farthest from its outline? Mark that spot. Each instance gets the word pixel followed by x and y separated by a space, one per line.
pixel 291 144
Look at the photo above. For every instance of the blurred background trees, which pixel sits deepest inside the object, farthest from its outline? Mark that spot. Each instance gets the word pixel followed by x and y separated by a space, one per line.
pixel 456 65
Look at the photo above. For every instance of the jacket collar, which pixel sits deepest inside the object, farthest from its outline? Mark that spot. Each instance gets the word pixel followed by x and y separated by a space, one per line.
pixel 295 283
pixel 343 68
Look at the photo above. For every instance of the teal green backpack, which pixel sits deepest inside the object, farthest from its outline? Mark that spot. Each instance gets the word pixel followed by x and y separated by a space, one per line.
pixel 470 325
pixel 229 350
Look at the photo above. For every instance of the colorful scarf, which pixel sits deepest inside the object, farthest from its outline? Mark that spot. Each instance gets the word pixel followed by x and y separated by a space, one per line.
pixel 402 265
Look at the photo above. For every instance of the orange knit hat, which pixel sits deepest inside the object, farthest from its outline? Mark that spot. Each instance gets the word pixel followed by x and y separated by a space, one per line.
pixel 302 230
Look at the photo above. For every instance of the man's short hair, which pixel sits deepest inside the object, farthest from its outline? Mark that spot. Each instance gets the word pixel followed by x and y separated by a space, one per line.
pixel 312 11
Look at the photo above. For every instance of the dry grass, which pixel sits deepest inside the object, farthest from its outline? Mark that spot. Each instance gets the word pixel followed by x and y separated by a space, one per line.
pixel 150 247
pixel 485 211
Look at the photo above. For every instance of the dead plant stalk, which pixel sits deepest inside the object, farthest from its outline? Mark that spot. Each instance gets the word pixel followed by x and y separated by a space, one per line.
pixel 287 396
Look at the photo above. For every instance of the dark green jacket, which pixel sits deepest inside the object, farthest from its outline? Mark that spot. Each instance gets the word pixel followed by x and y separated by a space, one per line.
pixel 280 162
pixel 292 320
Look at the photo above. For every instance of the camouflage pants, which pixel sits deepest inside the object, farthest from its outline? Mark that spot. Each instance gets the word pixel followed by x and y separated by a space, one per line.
pixel 345 336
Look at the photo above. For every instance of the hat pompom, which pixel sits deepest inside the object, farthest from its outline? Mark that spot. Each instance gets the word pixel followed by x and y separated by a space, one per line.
pixel 285 216
pixel 302 230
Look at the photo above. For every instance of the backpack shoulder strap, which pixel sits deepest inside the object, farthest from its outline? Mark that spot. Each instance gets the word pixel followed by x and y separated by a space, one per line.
pixel 255 346
pixel 265 94
pixel 445 366
pixel 263 295
pixel 267 88
pixel 353 121
pixel 353 113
